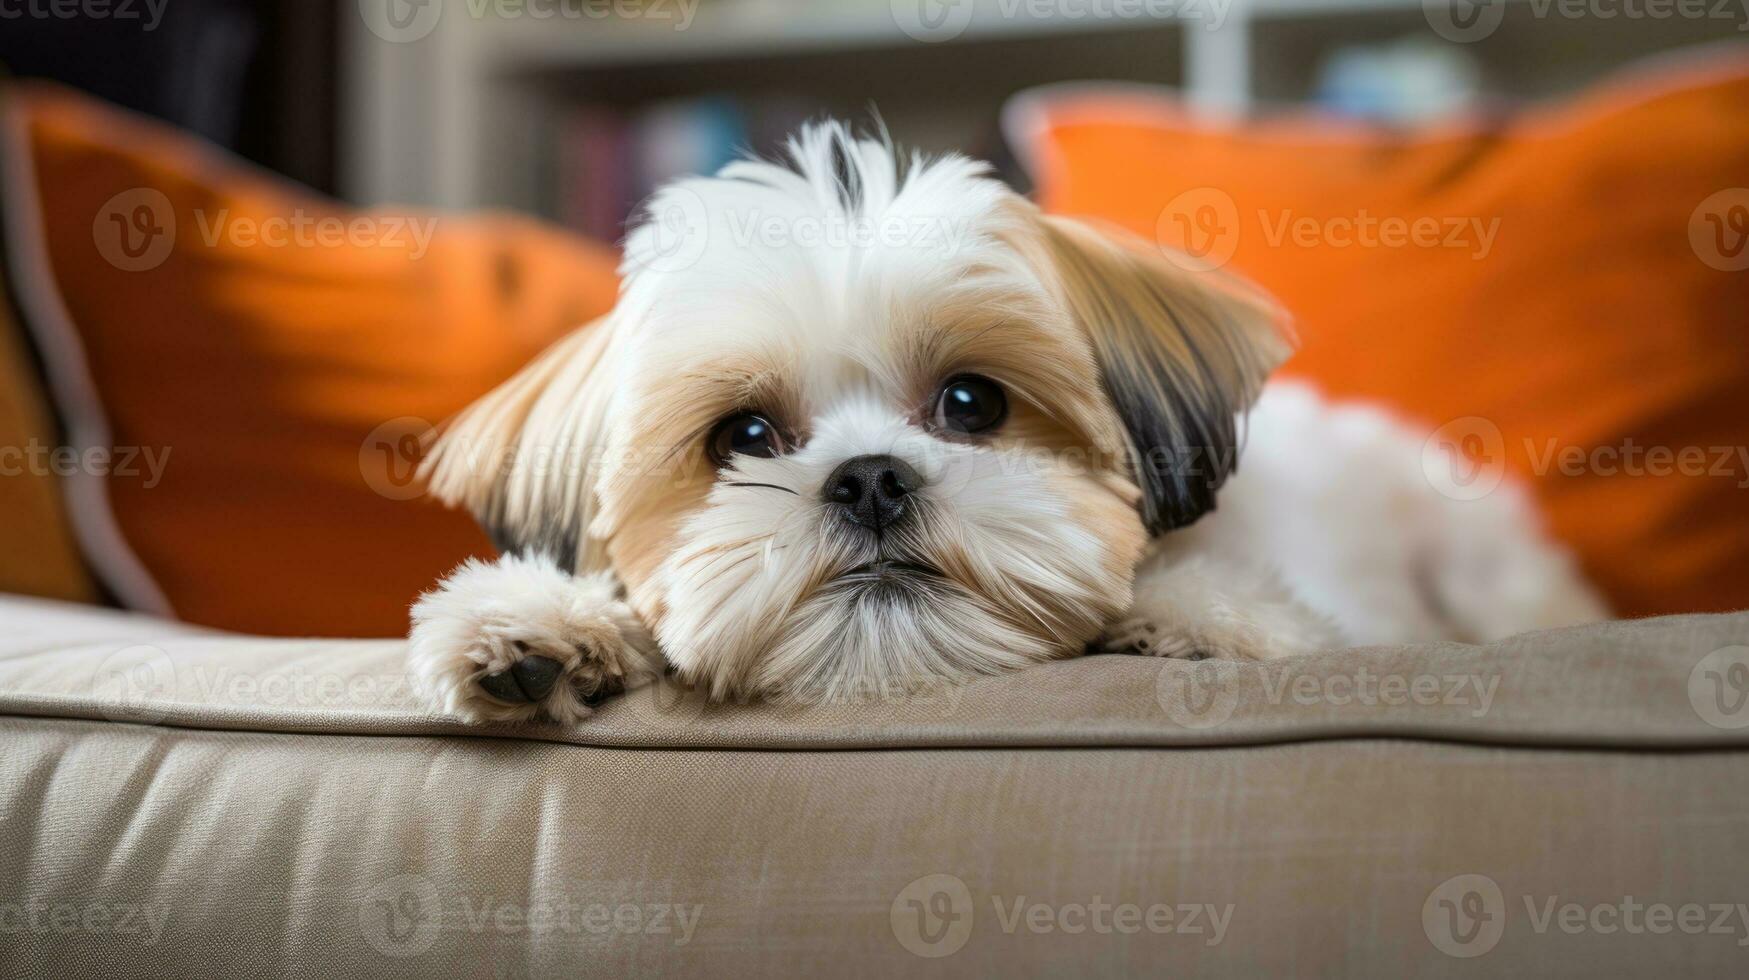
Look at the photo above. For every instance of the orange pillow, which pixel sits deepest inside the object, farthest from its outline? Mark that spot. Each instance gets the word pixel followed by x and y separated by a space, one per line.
pixel 1564 289
pixel 261 362
pixel 39 557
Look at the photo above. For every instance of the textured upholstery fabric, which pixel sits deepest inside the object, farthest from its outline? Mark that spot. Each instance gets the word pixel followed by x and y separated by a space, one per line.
pixel 288 810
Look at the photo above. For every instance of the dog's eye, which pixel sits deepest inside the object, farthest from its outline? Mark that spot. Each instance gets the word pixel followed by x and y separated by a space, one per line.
pixel 745 435
pixel 970 404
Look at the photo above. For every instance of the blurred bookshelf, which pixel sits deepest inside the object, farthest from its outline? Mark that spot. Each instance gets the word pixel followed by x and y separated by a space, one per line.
pixel 573 109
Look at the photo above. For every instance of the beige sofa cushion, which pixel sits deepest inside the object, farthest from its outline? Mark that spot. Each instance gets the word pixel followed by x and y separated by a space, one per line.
pixel 287 799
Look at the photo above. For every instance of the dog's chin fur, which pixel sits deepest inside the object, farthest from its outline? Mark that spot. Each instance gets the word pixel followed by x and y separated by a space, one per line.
pixel 1021 544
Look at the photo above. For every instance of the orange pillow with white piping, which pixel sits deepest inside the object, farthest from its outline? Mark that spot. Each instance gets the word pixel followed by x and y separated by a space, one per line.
pixel 1563 293
pixel 253 365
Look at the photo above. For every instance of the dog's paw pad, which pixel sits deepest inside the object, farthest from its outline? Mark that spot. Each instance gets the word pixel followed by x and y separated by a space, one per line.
pixel 525 682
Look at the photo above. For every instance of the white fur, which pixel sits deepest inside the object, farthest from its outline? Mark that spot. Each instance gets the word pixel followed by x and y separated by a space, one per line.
pixel 1332 508
pixel 487 615
pixel 744 577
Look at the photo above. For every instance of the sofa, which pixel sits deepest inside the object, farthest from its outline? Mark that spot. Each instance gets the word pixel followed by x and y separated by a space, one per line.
pixel 225 779
pixel 184 802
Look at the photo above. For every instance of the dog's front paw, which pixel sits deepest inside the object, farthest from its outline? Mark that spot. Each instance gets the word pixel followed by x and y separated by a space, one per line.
pixel 519 639
pixel 1200 608
pixel 1142 638
pixel 1233 639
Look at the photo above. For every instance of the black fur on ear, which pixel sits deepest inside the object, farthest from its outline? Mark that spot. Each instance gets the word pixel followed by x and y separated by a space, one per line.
pixel 1182 354
pixel 554 540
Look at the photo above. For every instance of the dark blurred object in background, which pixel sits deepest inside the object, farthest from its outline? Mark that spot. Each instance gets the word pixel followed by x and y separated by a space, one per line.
pixel 254 76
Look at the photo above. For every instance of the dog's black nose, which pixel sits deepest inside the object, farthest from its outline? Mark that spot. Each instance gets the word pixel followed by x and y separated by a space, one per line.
pixel 872 489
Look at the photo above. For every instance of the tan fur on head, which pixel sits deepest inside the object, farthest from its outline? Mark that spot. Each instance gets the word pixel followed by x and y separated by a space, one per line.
pixel 1122 374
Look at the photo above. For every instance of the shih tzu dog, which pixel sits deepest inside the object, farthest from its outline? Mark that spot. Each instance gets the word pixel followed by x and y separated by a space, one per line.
pixel 863 419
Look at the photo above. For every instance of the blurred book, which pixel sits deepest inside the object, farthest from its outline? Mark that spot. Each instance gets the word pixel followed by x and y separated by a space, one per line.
pixel 610 158
pixel 1400 82
pixel 593 191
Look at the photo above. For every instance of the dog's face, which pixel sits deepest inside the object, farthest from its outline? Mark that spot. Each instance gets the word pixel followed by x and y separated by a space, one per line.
pixel 862 420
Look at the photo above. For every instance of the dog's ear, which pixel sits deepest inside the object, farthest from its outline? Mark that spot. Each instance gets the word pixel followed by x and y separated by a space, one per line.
pixel 1182 355
pixel 523 458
